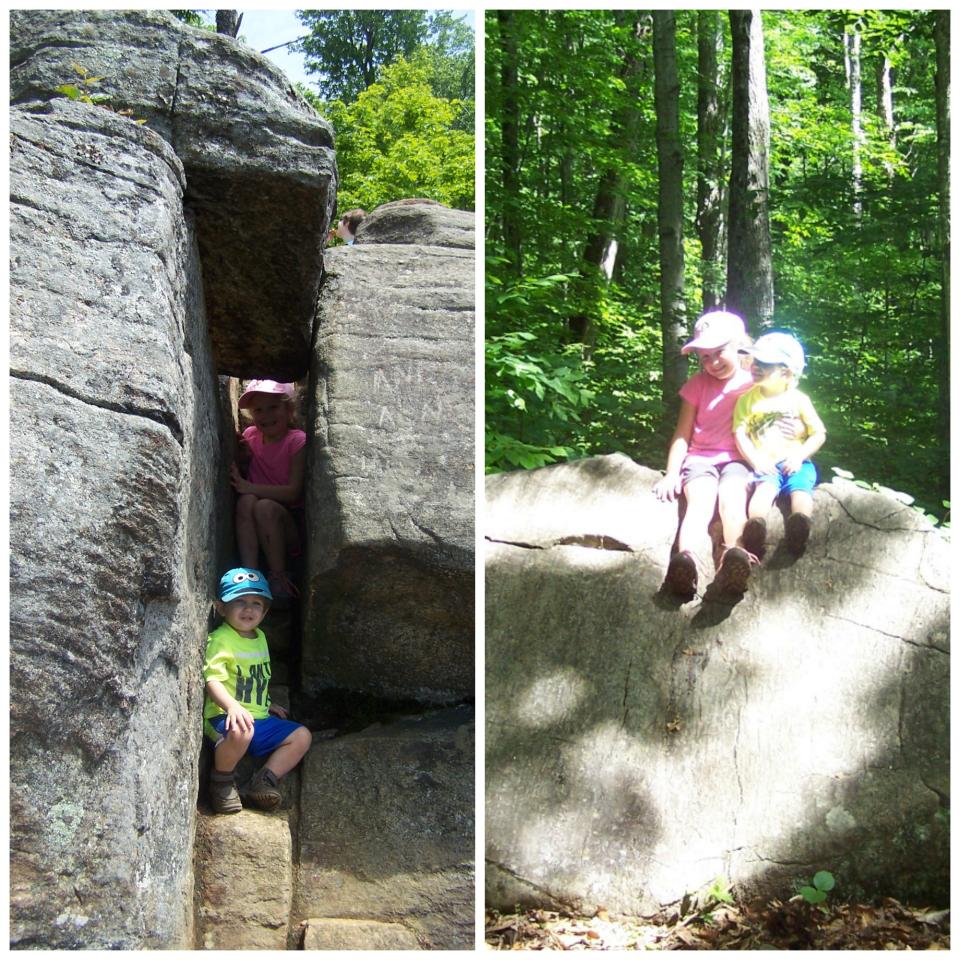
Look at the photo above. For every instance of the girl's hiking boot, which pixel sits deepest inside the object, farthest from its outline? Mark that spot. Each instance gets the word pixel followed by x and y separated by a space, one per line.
pixel 223 793
pixel 262 790
pixel 681 578
pixel 754 536
pixel 797 533
pixel 734 572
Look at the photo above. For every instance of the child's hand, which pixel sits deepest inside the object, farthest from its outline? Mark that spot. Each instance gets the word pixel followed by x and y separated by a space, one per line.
pixel 277 711
pixel 791 464
pixel 238 718
pixel 668 488
pixel 763 466
pixel 236 478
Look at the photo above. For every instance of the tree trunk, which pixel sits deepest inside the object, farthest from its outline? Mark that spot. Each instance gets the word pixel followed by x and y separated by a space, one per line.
pixel 669 207
pixel 510 136
pixel 852 43
pixel 709 157
pixel 601 253
pixel 941 34
pixel 885 107
pixel 228 22
pixel 749 257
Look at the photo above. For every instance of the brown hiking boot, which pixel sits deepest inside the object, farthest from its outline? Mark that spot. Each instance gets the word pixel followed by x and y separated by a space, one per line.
pixel 754 536
pixel 681 578
pixel 797 533
pixel 223 793
pixel 262 790
pixel 734 570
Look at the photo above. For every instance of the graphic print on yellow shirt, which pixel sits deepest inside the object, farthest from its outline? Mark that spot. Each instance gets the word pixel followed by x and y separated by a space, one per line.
pixel 759 414
pixel 242 665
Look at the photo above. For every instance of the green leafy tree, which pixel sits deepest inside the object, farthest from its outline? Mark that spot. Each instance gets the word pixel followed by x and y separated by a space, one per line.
pixel 398 139
pixel 347 48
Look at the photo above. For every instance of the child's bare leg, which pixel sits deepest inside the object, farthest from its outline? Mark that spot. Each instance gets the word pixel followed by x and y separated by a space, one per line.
pixel 289 753
pixel 231 749
pixel 246 530
pixel 801 502
pixel 275 529
pixel 762 500
pixel 733 507
pixel 701 494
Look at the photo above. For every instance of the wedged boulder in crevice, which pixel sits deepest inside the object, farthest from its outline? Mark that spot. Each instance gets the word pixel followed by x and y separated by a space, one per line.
pixel 401 850
pixel 637 748
pixel 418 221
pixel 260 168
pixel 389 585
pixel 114 529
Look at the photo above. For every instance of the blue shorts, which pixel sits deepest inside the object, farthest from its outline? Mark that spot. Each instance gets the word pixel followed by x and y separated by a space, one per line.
pixel 804 479
pixel 268 733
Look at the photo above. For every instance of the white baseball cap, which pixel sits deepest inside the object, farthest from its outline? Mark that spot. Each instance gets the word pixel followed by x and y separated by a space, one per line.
pixel 779 347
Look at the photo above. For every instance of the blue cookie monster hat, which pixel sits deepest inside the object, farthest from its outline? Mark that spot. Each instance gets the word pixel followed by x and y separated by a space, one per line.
pixel 242 581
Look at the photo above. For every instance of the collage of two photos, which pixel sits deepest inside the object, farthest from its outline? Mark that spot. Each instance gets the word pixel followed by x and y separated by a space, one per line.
pixel 412 551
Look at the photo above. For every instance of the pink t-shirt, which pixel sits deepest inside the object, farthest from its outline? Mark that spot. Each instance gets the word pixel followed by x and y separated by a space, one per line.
pixel 270 462
pixel 714 401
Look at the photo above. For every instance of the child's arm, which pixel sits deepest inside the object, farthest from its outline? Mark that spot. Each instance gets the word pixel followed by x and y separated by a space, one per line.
pixel 288 493
pixel 669 487
pixel 752 453
pixel 238 717
pixel 815 440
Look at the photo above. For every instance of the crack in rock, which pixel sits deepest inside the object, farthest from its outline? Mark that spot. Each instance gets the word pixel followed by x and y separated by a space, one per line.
pixel 162 417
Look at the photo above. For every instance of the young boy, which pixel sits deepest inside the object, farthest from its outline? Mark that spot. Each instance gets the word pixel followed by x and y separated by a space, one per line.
pixel 237 715
pixel 781 462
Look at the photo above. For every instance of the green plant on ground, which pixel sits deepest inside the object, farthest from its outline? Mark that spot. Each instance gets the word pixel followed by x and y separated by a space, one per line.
pixel 816 895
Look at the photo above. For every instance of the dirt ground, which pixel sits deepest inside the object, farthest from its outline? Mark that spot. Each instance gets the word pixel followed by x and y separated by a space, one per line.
pixel 774 925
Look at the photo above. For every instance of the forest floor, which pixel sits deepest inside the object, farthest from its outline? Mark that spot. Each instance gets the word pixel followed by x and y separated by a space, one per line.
pixel 772 925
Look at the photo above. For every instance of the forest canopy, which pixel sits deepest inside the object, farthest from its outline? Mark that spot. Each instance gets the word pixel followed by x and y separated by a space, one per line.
pixel 859 243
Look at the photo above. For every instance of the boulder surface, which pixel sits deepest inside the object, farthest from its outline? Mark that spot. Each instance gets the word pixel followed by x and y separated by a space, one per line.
pixel 638 748
pixel 389 585
pixel 113 518
pixel 387 832
pixel 261 176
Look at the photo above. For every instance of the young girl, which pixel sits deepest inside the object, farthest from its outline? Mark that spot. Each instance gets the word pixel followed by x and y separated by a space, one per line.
pixel 703 460
pixel 271 493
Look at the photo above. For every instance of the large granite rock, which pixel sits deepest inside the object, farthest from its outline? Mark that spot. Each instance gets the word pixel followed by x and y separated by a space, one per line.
pixel 255 153
pixel 244 881
pixel 418 221
pixel 637 748
pixel 389 586
pixel 113 527
pixel 387 834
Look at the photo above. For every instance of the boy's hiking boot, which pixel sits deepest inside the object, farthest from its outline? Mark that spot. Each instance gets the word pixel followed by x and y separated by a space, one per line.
pixel 797 533
pixel 734 570
pixel 681 578
pixel 262 790
pixel 223 793
pixel 754 536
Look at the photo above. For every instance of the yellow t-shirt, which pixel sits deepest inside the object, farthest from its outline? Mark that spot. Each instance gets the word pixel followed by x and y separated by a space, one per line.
pixel 242 665
pixel 760 415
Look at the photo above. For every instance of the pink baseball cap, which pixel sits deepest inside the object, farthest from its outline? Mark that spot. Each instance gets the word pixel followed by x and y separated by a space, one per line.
pixel 714 329
pixel 264 386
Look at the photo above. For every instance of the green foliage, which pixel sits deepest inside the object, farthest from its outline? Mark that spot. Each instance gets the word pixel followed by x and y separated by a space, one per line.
pixel 398 140
pixel 195 18
pixel 347 48
pixel 815 895
pixel 83 92
pixel 862 291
